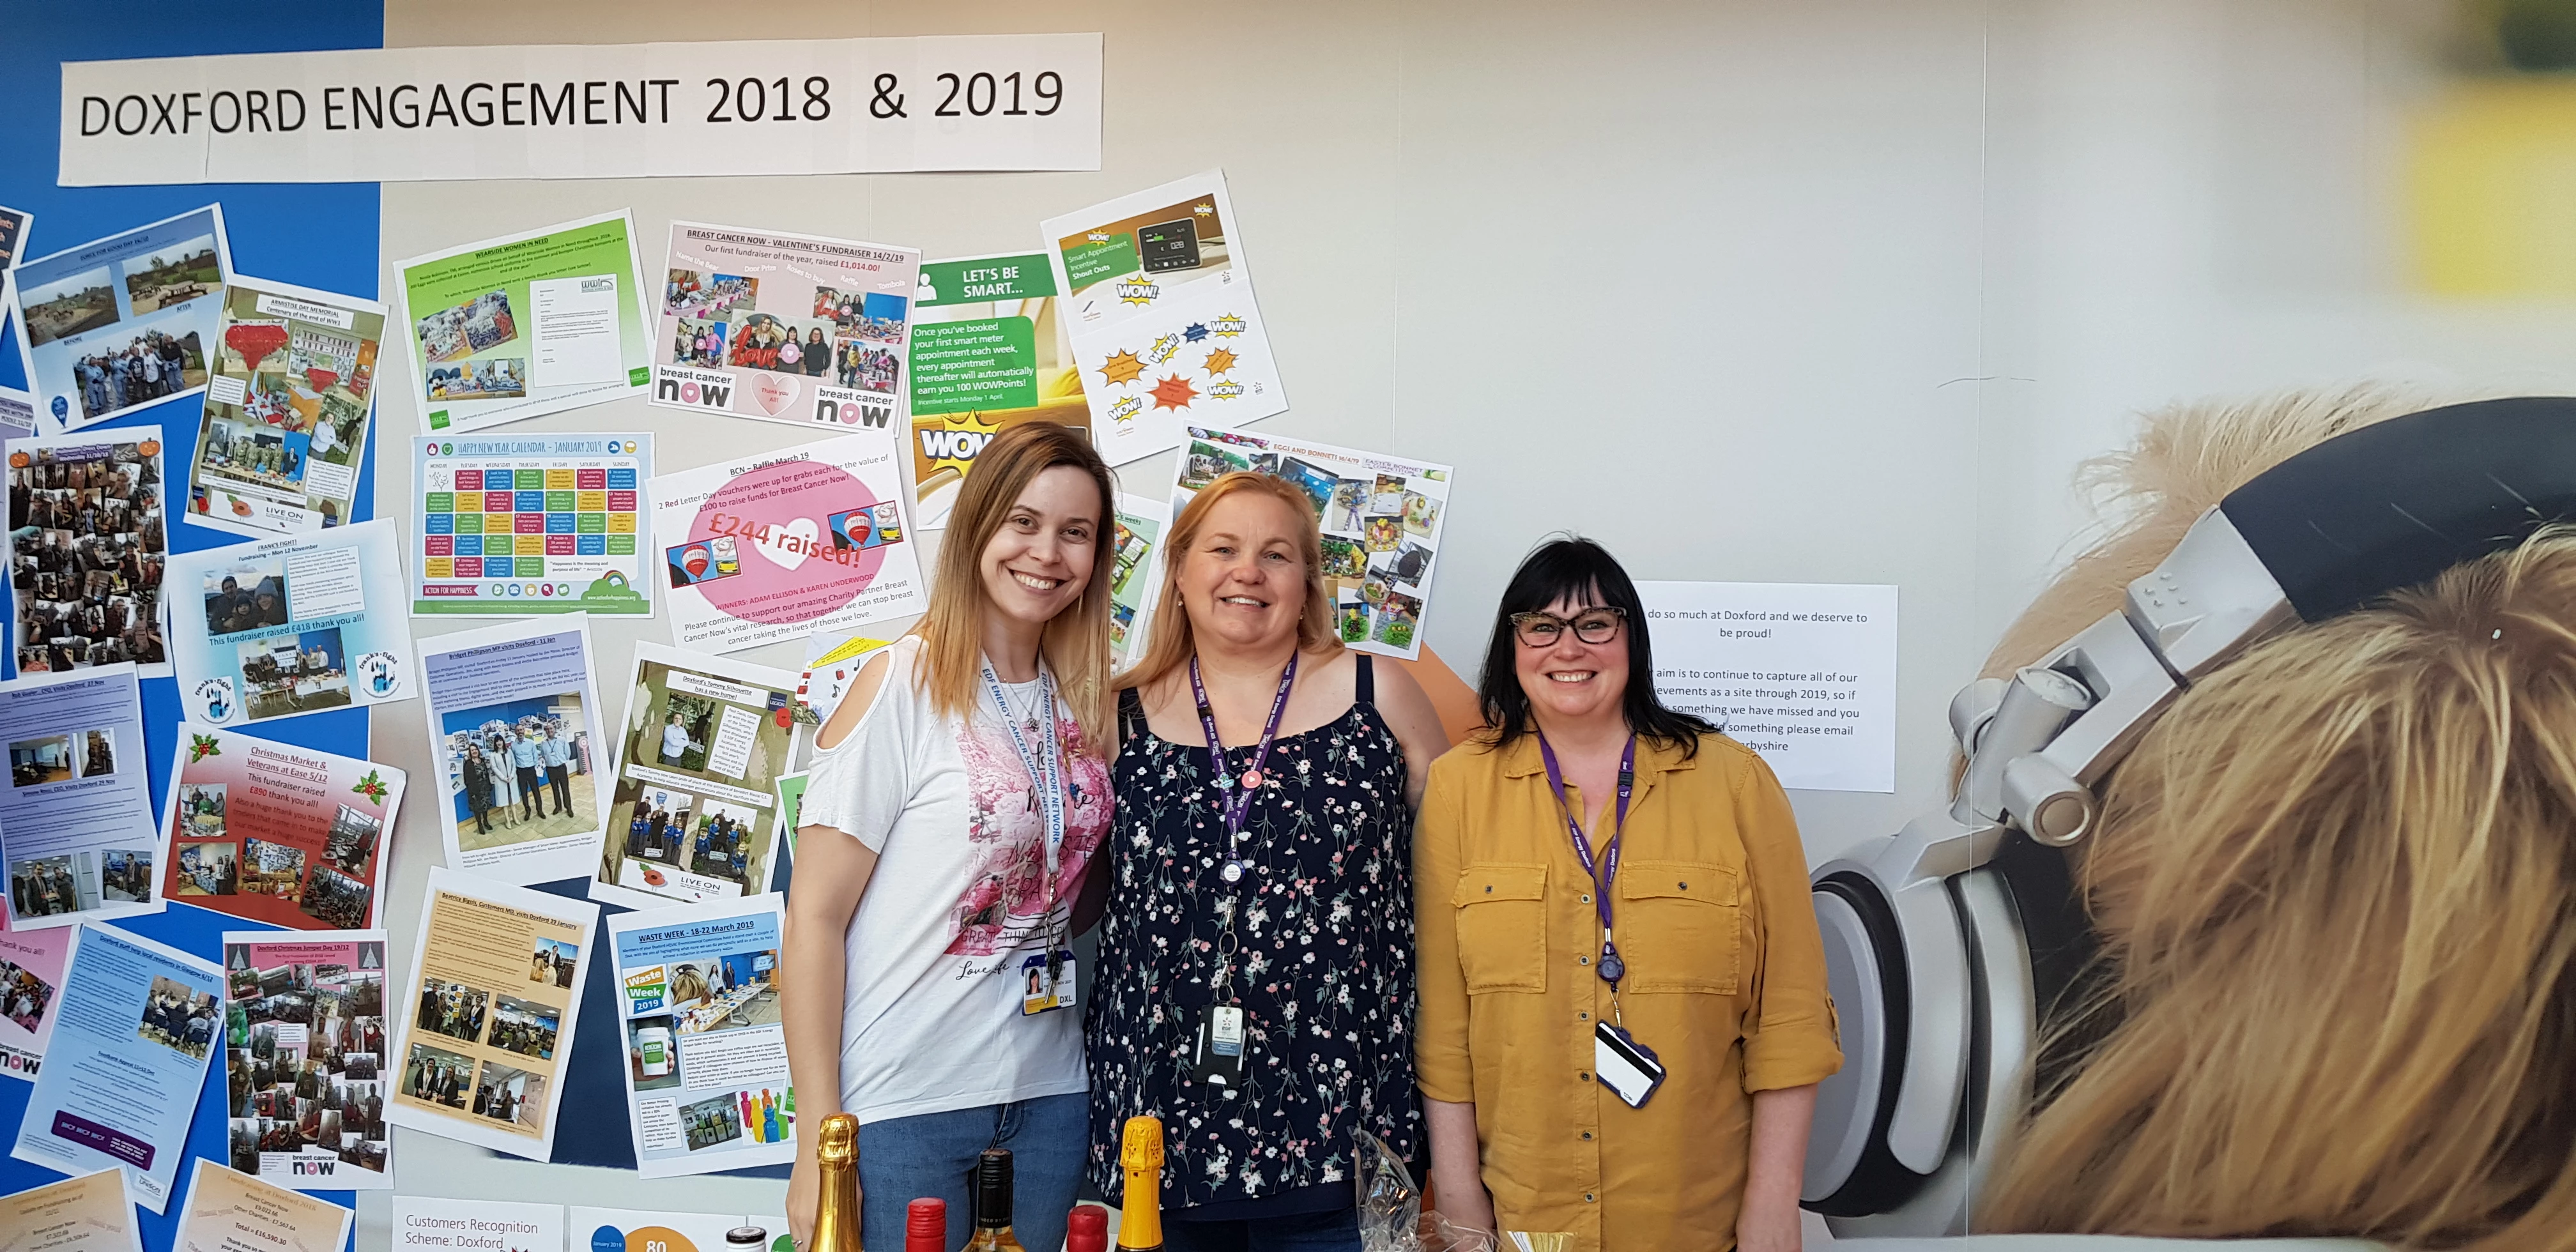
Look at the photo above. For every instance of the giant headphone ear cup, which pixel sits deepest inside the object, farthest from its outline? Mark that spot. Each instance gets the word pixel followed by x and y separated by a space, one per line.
pixel 1850 1172
pixel 2068 978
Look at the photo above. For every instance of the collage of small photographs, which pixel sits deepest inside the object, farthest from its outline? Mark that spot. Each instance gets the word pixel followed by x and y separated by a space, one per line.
pixel 845 339
pixel 450 335
pixel 87 547
pixel 304 1050
pixel 159 352
pixel 1380 528
pixel 502 1017
pixel 335 890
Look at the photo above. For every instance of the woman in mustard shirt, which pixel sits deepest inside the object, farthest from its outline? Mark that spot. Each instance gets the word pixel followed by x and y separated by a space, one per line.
pixel 1599 876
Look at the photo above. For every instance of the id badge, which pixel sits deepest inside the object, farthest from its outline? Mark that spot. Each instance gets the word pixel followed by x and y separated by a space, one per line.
pixel 1221 1047
pixel 1628 1068
pixel 1046 985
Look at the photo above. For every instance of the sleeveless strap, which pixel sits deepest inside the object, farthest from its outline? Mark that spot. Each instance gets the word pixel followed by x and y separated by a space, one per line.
pixel 1364 684
pixel 1131 714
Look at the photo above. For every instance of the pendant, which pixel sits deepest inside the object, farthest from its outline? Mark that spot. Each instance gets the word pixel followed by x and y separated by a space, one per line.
pixel 1233 871
pixel 1612 968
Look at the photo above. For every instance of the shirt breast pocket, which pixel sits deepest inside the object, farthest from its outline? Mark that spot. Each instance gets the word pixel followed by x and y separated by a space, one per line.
pixel 1680 926
pixel 1502 927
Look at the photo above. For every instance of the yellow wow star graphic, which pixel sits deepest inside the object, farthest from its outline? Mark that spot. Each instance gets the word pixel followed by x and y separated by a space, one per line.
pixel 1219 360
pixel 1123 367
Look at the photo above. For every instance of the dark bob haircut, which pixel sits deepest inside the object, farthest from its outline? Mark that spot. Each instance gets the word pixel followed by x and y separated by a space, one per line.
pixel 1584 572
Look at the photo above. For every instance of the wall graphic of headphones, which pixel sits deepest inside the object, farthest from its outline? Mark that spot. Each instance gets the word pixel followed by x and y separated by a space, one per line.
pixel 1946 944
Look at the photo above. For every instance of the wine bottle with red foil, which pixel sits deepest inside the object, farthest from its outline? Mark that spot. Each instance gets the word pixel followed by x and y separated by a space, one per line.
pixel 1086 1229
pixel 925 1225
pixel 993 1204
pixel 1140 1212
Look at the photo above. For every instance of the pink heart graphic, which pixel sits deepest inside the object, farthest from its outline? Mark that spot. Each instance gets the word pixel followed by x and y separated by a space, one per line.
pixel 321 378
pixel 775 392
pixel 255 341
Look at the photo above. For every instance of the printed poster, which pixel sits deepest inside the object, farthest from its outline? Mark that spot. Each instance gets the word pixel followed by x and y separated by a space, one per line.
pixel 276 833
pixel 791 808
pixel 122 322
pixel 1164 324
pixel 781 327
pixel 437 1224
pixel 229 1211
pixel 76 822
pixel 706 1057
pixel 990 350
pixel 488 1013
pixel 533 525
pixel 525 324
pixel 86 1214
pixel 1136 577
pixel 304 1050
pixel 522 774
pixel 807 540
pixel 17 408
pixel 14 225
pixel 284 434
pixel 1802 673
pixel 88 544
pixel 127 1060
pixel 677 1232
pixel 1381 518
pixel 692 818
pixel 31 983
pixel 291 626
pixel 829 667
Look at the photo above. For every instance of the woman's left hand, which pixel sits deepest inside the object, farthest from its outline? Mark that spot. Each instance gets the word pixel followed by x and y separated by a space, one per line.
pixel 1767 1228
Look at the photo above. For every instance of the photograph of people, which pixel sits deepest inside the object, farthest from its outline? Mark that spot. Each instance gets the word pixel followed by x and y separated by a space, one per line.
pixel 1216 893
pixel 926 848
pixel 1704 950
pixel 87 544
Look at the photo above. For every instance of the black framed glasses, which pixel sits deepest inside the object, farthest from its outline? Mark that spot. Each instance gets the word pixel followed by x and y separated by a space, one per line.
pixel 1593 625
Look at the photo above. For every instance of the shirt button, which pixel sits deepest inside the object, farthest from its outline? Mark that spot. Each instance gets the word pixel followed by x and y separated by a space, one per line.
pixel 1587 1197
pixel 1587 1134
pixel 1583 960
pixel 1587 899
pixel 1585 1075
pixel 1581 1016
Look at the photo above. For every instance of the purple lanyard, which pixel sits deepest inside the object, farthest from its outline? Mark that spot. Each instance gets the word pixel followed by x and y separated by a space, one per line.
pixel 1606 871
pixel 1238 805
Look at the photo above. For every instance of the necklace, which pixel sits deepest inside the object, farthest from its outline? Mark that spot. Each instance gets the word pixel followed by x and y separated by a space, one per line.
pixel 1026 714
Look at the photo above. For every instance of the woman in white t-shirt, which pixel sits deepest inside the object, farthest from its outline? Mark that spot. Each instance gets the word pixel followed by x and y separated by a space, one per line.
pixel 942 847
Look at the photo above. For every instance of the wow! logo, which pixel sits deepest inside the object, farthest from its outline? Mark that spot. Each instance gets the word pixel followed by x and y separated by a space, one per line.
pixel 1126 410
pixel 1139 290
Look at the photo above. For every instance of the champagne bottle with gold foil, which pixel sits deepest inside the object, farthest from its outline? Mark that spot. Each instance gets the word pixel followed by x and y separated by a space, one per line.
pixel 836 1218
pixel 1140 1213
pixel 993 1204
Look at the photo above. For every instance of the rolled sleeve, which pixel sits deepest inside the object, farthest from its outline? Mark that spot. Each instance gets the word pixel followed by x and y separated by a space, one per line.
pixel 1790 1034
pixel 1442 1065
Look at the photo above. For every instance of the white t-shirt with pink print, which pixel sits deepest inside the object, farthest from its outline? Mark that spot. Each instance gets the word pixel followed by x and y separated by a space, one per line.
pixel 931 1018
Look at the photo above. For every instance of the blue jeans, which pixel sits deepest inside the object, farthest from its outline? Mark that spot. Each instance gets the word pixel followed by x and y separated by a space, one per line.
pixel 908 1158
pixel 1337 1231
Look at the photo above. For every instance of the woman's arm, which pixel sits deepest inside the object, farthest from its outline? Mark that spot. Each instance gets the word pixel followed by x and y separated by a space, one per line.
pixel 1408 712
pixel 832 871
pixel 1458 1186
pixel 1769 1220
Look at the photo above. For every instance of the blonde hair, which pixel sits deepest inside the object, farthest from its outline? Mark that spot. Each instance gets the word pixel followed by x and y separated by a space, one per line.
pixel 1172 644
pixel 2335 887
pixel 1076 642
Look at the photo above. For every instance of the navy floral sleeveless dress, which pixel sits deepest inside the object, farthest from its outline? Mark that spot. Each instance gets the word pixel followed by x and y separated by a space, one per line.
pixel 1323 967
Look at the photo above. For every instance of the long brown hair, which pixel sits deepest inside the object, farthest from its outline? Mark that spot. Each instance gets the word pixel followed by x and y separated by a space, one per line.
pixel 2335 887
pixel 1076 642
pixel 1172 644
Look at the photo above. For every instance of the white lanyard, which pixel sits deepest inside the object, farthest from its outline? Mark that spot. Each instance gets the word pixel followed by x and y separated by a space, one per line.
pixel 1046 773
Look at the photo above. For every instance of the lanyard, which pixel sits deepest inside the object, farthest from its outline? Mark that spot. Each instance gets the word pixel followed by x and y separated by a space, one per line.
pixel 1606 871
pixel 1045 775
pixel 1238 801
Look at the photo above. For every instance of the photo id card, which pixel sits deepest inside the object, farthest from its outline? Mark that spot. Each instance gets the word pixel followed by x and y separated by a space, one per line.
pixel 1049 982
pixel 1628 1068
pixel 1221 1046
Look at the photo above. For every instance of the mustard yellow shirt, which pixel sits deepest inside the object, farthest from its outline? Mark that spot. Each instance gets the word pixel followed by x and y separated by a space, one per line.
pixel 1725 982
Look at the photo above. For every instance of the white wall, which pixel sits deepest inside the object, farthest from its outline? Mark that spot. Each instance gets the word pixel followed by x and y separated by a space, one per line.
pixel 1836 291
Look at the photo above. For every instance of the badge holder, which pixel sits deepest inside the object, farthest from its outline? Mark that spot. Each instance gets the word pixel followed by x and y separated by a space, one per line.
pixel 1048 982
pixel 1628 1068
pixel 1221 1048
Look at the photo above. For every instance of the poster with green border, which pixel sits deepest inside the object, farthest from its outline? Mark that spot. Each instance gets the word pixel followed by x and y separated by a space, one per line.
pixel 525 324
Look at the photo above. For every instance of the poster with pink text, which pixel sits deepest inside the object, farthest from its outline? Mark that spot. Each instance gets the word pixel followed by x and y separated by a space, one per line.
pixel 783 328
pixel 304 1059
pixel 31 982
pixel 276 833
pixel 815 539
